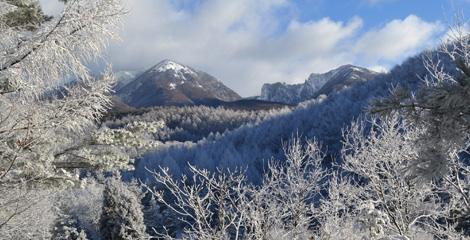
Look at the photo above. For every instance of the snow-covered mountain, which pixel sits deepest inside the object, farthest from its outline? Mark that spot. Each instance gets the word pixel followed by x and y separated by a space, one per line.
pixel 172 84
pixel 124 78
pixel 315 85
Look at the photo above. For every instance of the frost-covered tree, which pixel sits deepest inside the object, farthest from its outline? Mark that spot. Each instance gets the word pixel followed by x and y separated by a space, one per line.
pixel 48 129
pixel 209 204
pixel 283 206
pixel 336 217
pixel 40 129
pixel 441 107
pixel 122 216
pixel 66 227
pixel 77 211
pixel 387 201
pixel 223 206
pixel 33 218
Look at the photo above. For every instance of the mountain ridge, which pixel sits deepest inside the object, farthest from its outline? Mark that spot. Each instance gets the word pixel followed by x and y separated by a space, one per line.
pixel 316 84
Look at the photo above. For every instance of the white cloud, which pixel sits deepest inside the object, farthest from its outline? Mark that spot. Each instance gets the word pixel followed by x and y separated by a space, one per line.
pixel 239 42
pixel 377 2
pixel 397 39
pixel 378 68
pixel 247 43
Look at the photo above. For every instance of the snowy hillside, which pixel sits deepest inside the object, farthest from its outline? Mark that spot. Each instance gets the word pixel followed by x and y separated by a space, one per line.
pixel 252 145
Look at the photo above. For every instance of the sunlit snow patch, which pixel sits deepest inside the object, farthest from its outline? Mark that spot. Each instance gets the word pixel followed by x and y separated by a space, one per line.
pixel 170 65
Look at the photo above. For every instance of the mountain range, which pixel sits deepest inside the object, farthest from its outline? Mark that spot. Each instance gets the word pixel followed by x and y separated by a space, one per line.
pixel 169 83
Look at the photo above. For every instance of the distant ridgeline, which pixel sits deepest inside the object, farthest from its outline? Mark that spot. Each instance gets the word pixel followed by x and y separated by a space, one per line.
pixel 171 84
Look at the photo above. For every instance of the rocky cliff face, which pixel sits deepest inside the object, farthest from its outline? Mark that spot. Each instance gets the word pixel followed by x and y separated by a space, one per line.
pixel 315 85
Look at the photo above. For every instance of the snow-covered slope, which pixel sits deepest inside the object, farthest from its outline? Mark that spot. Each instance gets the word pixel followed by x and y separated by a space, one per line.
pixel 315 85
pixel 169 83
pixel 249 146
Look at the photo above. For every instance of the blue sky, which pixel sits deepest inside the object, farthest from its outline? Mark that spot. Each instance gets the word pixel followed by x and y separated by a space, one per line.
pixel 246 43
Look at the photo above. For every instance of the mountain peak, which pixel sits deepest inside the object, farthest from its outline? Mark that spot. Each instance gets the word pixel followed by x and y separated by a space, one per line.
pixel 169 83
pixel 170 65
pixel 356 68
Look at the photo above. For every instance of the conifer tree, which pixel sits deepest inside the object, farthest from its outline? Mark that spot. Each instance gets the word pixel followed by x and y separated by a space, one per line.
pixel 25 14
pixel 65 228
pixel 122 216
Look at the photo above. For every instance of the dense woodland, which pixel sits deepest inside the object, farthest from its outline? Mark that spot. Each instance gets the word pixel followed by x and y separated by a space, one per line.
pixel 192 124
pixel 384 159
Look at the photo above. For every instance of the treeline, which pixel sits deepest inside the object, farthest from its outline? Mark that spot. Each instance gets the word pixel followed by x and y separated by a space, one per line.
pixel 190 123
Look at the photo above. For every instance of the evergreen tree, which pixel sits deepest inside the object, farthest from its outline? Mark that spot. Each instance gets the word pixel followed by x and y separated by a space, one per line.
pixel 122 216
pixel 25 14
pixel 152 216
pixel 66 228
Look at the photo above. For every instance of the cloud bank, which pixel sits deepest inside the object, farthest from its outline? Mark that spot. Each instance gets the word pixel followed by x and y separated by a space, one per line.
pixel 246 43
